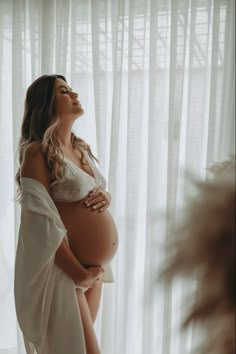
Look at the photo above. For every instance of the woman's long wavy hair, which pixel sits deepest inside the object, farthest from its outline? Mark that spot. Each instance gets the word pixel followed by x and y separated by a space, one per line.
pixel 40 124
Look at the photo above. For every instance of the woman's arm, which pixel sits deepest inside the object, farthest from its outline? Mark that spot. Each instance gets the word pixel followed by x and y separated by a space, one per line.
pixel 66 260
pixel 34 166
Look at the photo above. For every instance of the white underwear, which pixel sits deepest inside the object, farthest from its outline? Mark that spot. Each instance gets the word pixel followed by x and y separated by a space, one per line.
pixel 83 288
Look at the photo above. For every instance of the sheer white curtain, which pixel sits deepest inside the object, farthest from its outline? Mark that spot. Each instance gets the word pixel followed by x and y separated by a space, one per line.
pixel 156 79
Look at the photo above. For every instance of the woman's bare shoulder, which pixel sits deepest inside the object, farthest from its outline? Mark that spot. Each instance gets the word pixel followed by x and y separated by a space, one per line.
pixel 34 164
pixel 33 152
pixel 33 148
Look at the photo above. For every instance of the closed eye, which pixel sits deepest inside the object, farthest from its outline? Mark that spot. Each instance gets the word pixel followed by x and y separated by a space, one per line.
pixel 65 89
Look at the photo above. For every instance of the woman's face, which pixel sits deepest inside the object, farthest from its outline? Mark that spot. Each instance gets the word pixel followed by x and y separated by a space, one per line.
pixel 66 101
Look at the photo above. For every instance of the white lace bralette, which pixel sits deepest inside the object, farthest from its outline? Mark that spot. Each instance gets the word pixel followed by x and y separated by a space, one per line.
pixel 76 183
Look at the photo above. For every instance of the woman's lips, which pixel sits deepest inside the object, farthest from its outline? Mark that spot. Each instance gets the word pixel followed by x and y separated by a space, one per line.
pixel 77 103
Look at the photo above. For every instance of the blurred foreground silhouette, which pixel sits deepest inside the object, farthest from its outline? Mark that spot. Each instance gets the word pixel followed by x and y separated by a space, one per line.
pixel 202 248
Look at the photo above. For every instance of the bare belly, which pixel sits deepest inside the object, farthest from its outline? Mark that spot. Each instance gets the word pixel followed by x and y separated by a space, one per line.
pixel 92 235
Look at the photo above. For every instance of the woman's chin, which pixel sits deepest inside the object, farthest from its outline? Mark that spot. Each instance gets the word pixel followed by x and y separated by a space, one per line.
pixel 79 113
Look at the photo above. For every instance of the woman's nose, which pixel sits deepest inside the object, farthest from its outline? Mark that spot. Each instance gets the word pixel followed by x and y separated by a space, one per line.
pixel 74 95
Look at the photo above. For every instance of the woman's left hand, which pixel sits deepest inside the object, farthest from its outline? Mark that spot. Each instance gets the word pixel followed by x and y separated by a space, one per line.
pixel 98 199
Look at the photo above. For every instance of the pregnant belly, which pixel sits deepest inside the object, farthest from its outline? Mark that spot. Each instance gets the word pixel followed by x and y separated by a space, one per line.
pixel 92 235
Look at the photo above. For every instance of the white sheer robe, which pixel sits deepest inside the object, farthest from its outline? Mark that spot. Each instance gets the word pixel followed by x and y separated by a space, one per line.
pixel 45 297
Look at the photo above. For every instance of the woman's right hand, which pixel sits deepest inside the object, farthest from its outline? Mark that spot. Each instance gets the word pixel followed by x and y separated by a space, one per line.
pixel 91 276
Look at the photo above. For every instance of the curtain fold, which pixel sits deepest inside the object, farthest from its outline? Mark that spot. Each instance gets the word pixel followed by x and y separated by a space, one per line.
pixel 156 80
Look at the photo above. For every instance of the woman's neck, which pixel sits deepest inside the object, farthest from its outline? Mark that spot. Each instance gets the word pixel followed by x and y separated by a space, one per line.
pixel 64 137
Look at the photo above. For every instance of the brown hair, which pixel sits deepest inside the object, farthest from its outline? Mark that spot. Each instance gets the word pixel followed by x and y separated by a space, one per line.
pixel 39 124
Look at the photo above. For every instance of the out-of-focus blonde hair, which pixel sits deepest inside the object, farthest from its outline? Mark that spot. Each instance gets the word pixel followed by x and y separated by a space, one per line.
pixel 203 248
pixel 39 124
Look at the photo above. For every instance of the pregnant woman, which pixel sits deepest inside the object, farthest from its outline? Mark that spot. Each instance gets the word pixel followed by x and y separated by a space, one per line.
pixel 58 165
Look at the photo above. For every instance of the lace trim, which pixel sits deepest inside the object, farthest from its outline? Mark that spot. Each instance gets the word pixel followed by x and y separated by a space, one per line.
pixel 76 183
